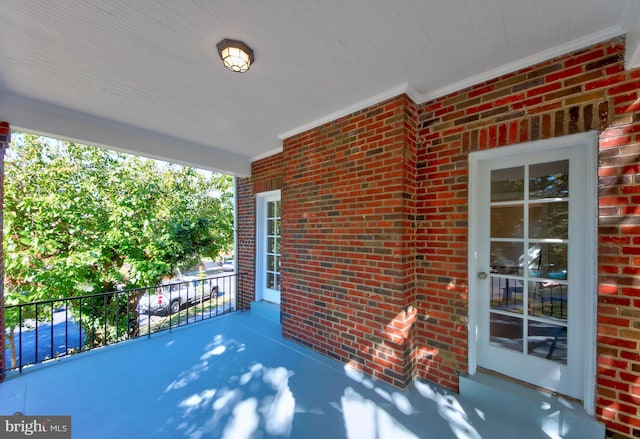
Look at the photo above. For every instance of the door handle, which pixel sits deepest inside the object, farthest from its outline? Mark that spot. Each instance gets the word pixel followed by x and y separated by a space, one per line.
pixel 482 275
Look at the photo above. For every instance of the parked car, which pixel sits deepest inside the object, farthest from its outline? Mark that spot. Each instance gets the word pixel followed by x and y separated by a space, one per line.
pixel 228 265
pixel 170 298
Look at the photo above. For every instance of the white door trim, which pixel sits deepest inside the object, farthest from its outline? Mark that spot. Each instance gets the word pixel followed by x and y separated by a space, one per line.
pixel 589 141
pixel 260 279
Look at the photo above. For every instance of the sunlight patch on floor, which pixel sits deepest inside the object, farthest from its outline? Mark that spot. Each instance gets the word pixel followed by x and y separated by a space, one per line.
pixel 260 399
pixel 400 401
pixel 450 409
pixel 186 377
pixel 364 419
pixel 244 420
pixel 279 409
pixel 197 401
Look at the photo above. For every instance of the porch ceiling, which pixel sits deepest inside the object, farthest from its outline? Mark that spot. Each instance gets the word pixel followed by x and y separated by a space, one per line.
pixel 145 77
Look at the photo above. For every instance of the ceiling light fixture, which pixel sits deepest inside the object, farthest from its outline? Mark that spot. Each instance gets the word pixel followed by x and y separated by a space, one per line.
pixel 235 55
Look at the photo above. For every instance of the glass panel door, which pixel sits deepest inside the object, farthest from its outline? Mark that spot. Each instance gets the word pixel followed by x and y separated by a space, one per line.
pixel 272 267
pixel 268 247
pixel 528 244
pixel 532 225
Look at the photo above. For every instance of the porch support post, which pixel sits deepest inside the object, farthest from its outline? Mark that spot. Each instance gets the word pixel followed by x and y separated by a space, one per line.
pixel 5 138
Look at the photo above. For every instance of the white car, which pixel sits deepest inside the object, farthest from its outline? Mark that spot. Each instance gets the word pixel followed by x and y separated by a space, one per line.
pixel 172 297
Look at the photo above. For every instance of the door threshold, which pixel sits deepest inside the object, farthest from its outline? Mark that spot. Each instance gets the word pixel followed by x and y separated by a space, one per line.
pixel 542 390
pixel 502 396
pixel 267 310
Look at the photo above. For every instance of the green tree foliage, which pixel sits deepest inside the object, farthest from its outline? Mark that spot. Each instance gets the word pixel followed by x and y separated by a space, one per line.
pixel 81 220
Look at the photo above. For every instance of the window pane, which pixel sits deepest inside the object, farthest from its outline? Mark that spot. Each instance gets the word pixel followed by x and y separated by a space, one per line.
pixel 548 299
pixel 549 180
pixel 271 245
pixel 548 260
pixel 546 340
pixel 506 332
pixel 271 281
pixel 271 229
pixel 507 184
pixel 532 261
pixel 506 294
pixel 549 220
pixel 278 284
pixel 505 257
pixel 507 222
pixel 271 260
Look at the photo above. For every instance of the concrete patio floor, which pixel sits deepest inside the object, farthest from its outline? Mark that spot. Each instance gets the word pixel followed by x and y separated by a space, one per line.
pixel 235 377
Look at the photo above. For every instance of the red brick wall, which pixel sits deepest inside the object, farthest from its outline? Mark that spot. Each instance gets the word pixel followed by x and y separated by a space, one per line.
pixel 375 248
pixel 5 138
pixel 266 176
pixel 578 92
pixel 246 236
pixel 348 203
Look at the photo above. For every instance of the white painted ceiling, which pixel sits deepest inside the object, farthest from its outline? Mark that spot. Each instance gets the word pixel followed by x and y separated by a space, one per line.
pixel 144 75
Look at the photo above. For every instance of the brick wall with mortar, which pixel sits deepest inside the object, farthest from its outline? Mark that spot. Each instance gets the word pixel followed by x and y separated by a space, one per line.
pixel 582 91
pixel 266 175
pixel 347 263
pixel 5 138
pixel 246 236
pixel 374 250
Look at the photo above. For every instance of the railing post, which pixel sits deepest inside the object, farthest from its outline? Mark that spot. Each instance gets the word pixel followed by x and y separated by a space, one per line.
pixel 5 138
pixel 20 335
pixel 237 292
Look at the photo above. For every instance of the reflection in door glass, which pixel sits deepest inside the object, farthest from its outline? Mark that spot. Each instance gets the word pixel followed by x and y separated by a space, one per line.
pixel 549 180
pixel 528 284
pixel 507 294
pixel 505 257
pixel 548 260
pixel 548 299
pixel 506 331
pixel 549 220
pixel 507 184
pixel 507 221
pixel 546 340
pixel 273 245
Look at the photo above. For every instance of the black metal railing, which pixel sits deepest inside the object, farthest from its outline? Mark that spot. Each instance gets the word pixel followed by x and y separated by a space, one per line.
pixel 51 329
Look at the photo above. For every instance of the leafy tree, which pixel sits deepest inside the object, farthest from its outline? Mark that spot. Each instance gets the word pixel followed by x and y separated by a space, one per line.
pixel 81 220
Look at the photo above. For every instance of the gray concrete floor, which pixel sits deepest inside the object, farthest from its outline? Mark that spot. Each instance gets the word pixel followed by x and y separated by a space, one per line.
pixel 235 377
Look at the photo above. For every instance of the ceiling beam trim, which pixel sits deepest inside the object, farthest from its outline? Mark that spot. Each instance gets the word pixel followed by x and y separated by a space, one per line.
pixel 44 119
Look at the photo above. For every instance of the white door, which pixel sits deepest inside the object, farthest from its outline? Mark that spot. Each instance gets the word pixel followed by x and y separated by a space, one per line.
pixel 532 262
pixel 268 279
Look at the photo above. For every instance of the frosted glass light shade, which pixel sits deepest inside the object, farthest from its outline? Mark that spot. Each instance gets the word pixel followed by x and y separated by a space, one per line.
pixel 235 55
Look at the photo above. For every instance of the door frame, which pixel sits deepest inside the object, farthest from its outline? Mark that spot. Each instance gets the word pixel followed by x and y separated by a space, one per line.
pixel 261 199
pixel 588 142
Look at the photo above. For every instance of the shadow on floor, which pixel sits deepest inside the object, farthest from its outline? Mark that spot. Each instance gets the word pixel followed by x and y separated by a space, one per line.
pixel 234 377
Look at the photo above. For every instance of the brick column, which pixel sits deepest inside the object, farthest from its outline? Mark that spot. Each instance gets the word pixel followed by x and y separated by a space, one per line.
pixel 245 241
pixel 266 175
pixel 348 253
pixel 5 138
